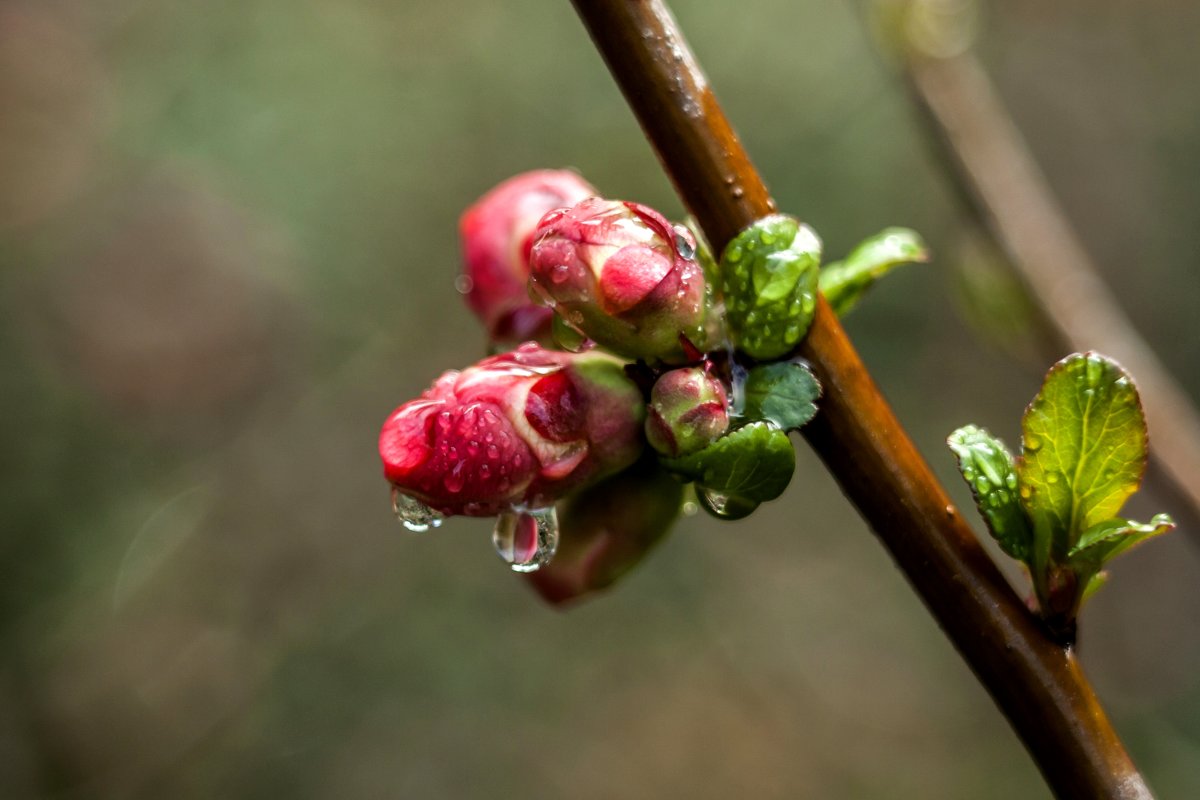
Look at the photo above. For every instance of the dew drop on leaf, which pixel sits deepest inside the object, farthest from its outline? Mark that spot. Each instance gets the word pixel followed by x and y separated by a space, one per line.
pixel 724 506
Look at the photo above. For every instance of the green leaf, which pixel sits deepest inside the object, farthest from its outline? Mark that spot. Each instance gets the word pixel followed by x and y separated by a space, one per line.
pixel 784 393
pixel 1084 447
pixel 1093 585
pixel 1101 543
pixel 987 467
pixel 769 276
pixel 844 282
pixel 753 463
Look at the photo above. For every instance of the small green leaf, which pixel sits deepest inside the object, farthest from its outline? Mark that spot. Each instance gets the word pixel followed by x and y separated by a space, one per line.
pixel 987 467
pixel 753 463
pixel 1084 446
pixel 769 278
pixel 1103 542
pixel 784 393
pixel 1093 585
pixel 844 282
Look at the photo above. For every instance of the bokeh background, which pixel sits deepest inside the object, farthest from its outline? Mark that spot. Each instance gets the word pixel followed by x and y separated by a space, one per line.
pixel 227 251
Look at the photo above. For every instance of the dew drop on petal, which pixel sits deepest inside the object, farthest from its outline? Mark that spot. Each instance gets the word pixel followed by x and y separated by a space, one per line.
pixel 413 514
pixel 526 539
pixel 454 479
pixel 683 245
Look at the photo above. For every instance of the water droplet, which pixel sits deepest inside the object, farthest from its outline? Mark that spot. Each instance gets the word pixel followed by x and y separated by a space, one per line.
pixel 982 485
pixel 413 514
pixel 493 452
pixel 724 506
pixel 690 509
pixel 1033 443
pixel 1095 370
pixel 683 243
pixel 1010 480
pixel 560 273
pixel 444 421
pixel 454 479
pixel 526 539
pixel 464 284
pixel 737 192
pixel 1026 492
pixel 1053 477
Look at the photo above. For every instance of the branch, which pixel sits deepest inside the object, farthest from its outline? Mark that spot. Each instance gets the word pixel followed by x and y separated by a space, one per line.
pixel 1035 682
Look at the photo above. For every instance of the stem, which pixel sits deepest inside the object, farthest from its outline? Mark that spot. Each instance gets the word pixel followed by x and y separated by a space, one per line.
pixel 1035 682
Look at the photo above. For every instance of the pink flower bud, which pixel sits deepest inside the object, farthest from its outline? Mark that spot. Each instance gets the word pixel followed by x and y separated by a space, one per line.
pixel 607 529
pixel 497 234
pixel 688 411
pixel 621 274
pixel 519 429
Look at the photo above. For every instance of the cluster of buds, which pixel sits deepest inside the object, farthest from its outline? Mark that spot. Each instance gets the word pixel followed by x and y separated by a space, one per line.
pixel 581 439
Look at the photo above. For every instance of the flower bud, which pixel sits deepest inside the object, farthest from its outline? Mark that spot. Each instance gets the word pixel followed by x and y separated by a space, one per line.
pixel 497 234
pixel 688 411
pixel 622 275
pixel 607 529
pixel 519 429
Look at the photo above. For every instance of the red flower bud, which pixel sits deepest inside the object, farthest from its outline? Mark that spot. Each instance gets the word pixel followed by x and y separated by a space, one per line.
pixel 497 234
pixel 518 429
pixel 688 411
pixel 621 274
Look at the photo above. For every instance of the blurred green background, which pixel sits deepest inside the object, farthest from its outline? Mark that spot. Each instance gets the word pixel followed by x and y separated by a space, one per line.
pixel 228 246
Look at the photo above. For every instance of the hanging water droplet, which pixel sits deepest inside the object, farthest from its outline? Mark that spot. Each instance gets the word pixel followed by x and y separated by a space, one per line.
pixel 464 284
pixel 724 506
pixel 526 539
pixel 413 514
pixel 690 509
